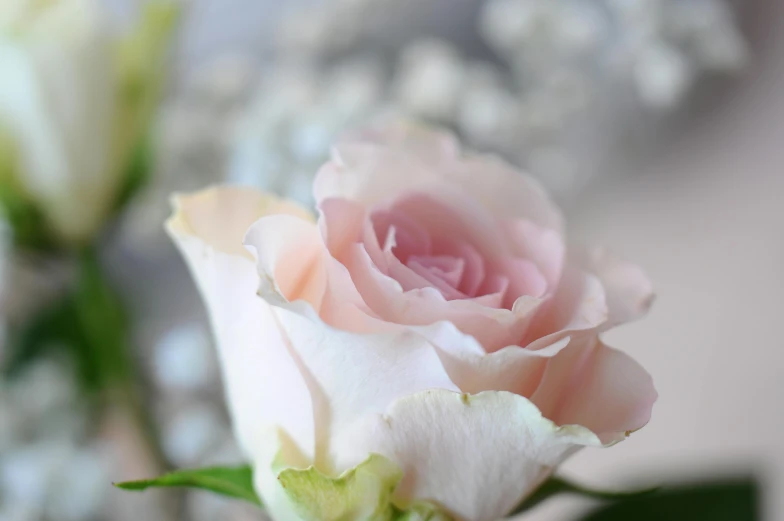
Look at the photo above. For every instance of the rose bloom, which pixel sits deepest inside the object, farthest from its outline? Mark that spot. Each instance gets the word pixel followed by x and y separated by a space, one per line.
pixel 431 316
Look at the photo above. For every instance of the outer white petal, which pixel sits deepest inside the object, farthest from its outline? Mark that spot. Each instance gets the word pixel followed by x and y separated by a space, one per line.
pixel 264 386
pixel 477 456
pixel 276 452
pixel 351 375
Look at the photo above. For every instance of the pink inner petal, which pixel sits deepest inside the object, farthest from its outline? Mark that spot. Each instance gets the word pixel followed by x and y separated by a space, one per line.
pixel 457 217
pixel 447 268
pixel 524 279
pixel 474 271
pixel 341 224
pixel 410 238
pixel 544 247
pixel 411 279
pixel 492 292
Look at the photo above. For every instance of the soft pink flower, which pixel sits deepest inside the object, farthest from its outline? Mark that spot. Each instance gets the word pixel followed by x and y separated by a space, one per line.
pixel 429 272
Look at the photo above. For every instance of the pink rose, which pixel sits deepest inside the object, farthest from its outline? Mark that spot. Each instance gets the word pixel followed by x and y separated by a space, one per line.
pixel 432 315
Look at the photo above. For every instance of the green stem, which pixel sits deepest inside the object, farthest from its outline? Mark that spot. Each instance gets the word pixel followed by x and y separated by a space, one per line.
pixel 106 351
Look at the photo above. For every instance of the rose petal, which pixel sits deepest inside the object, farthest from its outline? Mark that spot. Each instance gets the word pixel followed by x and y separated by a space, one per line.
pixel 379 166
pixel 382 368
pixel 474 273
pixel 473 370
pixel 410 238
pixel 447 213
pixel 628 291
pixel 342 224
pixel 523 278
pixel 598 387
pixel 290 256
pixel 577 307
pixel 294 265
pixel 510 193
pixel 263 384
pixel 494 328
pixel 477 456
pixel 543 247
pixel 440 267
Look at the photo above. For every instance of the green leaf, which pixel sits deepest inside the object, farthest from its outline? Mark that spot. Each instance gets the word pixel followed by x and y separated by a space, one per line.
pixel 136 175
pixel 728 501
pixel 235 482
pixel 555 486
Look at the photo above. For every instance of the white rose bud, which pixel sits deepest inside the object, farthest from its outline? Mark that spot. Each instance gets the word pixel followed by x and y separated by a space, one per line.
pixel 75 100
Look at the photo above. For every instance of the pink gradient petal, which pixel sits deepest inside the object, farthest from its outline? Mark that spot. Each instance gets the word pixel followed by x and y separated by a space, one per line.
pixel 598 387
pixel 510 193
pixel 293 264
pixel 410 238
pixel 344 224
pixel 629 291
pixel 471 368
pixel 545 248
pixel 379 166
pixel 447 268
pixel 448 213
pixel 494 328
pixel 291 255
pixel 524 279
pixel 474 271
pixel 341 224
pixel 578 306
pixel 415 279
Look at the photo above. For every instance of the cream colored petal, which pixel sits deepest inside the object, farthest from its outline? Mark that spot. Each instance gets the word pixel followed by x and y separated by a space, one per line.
pixel 221 215
pixel 476 455
pixel 264 386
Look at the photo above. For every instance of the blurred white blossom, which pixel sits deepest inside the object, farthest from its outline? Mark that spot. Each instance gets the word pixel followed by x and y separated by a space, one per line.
pixel 74 103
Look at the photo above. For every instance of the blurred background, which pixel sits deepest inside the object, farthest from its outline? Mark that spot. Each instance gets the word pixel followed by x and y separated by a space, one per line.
pixel 657 124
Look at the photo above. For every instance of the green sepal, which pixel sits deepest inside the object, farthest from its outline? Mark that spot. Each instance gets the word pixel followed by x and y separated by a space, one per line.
pixel 420 511
pixel 556 486
pixel 28 225
pixel 234 482
pixel 363 493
